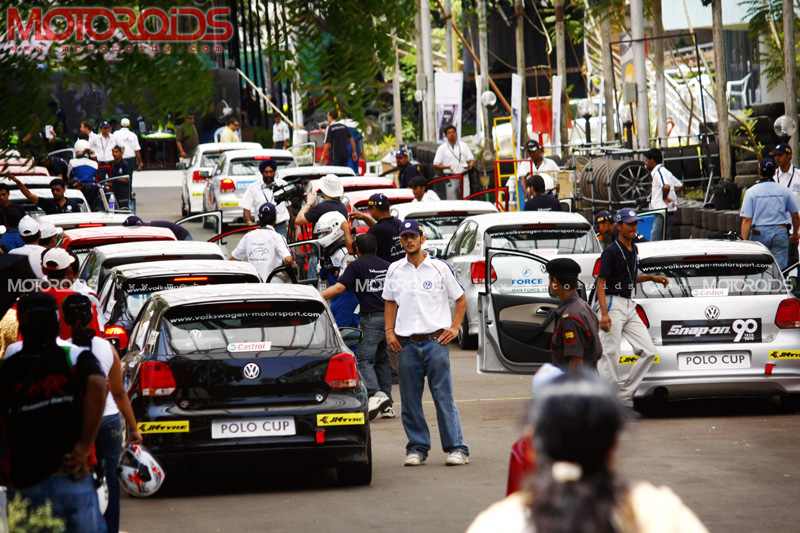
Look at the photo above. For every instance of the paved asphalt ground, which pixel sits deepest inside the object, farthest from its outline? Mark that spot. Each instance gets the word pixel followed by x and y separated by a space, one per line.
pixel 736 463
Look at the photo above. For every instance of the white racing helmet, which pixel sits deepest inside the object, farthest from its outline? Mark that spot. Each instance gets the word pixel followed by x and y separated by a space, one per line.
pixel 328 228
pixel 81 145
pixel 139 472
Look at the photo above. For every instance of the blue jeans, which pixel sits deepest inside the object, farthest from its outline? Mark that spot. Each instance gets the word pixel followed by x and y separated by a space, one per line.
pixel 373 362
pixel 776 238
pixel 109 449
pixel 430 359
pixel 75 502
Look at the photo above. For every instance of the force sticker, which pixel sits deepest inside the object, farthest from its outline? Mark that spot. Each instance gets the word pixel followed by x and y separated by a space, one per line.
pixel 784 355
pixel 631 359
pixel 340 419
pixel 167 426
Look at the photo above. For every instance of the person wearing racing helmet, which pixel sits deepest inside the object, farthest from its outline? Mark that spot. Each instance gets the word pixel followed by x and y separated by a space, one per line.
pixel 77 310
pixel 330 231
pixel 258 193
pixel 764 210
pixel 51 404
pixel 264 248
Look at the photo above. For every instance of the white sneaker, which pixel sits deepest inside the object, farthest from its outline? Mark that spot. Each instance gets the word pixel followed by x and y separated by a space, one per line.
pixel 457 458
pixel 376 403
pixel 414 459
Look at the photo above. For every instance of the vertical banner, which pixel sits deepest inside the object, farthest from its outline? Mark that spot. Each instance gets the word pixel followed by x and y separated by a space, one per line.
pixel 557 87
pixel 516 112
pixel 448 88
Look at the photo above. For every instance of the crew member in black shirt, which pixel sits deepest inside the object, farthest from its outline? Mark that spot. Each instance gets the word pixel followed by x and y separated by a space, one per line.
pixel 540 200
pixel 179 231
pixel 365 277
pixel 121 187
pixel 619 318
pixel 406 171
pixel 51 404
pixel 51 206
pixel 337 137
pixel 384 227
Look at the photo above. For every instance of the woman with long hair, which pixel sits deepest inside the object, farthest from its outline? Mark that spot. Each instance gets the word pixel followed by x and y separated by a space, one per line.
pixel 77 310
pixel 576 421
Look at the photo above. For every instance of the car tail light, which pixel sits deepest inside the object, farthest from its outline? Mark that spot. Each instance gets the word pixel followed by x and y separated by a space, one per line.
pixel 643 316
pixel 197 177
pixel 117 335
pixel 156 379
pixel 227 185
pixel 478 272
pixel 596 268
pixel 188 279
pixel 342 372
pixel 263 158
pixel 362 167
pixel 91 225
pixel 788 315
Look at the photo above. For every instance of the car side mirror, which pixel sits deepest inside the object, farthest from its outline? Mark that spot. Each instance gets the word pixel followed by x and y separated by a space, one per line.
pixel 351 335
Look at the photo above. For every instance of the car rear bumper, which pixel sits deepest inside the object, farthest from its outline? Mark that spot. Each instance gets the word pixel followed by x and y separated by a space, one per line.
pixel 716 385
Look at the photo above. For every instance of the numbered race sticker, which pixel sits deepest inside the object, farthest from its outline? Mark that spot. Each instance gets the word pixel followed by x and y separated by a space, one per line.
pixel 259 346
pixel 739 330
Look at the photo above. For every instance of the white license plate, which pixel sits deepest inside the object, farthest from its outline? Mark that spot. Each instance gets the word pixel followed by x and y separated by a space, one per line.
pixel 244 184
pixel 713 360
pixel 242 428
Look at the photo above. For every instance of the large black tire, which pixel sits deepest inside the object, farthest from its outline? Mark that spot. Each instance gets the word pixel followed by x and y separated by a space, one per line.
pixel 466 341
pixel 357 474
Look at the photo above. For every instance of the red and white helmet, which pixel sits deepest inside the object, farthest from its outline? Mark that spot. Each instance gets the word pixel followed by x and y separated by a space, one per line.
pixel 139 472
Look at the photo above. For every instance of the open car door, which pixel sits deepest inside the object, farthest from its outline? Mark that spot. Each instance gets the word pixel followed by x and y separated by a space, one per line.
pixel 653 224
pixel 307 256
pixel 202 226
pixel 516 313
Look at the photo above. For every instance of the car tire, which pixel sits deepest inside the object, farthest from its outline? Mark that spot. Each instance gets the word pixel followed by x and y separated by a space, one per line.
pixel 357 474
pixel 465 340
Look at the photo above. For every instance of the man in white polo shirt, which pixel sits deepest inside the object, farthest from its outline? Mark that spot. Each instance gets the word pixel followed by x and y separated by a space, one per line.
pixel 454 157
pixel 129 141
pixel 417 294
pixel 665 187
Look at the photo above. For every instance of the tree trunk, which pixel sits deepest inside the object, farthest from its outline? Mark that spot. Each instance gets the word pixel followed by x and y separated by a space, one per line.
pixel 427 64
pixel 483 41
pixel 608 67
pixel 790 70
pixel 639 64
pixel 561 70
pixel 720 82
pixel 658 63
pixel 420 79
pixel 519 11
pixel 396 102
pixel 448 35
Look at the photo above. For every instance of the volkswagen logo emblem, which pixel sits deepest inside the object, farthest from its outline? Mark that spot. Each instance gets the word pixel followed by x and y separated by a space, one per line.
pixel 712 312
pixel 251 371
pixel 319 397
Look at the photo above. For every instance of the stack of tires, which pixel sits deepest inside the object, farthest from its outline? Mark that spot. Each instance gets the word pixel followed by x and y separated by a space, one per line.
pixel 709 223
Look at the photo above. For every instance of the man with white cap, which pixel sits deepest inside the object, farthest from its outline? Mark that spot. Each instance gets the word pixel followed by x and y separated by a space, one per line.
pixel 124 137
pixel 331 191
pixel 82 168
pixel 29 231
pixel 60 265
pixel 48 234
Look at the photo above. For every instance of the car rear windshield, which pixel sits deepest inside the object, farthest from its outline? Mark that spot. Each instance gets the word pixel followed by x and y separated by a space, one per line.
pixel 137 291
pixel 566 238
pixel 241 328
pixel 720 275
pixel 210 159
pixel 248 167
pixel 440 226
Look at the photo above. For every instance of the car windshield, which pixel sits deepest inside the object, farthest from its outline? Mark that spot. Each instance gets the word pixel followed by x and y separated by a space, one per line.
pixel 248 167
pixel 566 238
pixel 210 159
pixel 721 275
pixel 137 291
pixel 266 326
pixel 439 226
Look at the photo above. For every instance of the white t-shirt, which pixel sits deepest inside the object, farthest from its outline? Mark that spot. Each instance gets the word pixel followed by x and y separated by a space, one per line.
pixel 263 248
pixel 655 509
pixel 662 176
pixel 790 179
pixel 546 167
pixel 280 132
pixel 422 295
pixel 455 156
pixel 129 141
pixel 104 353
pixel 102 146
pixel 34 253
pixel 429 196
pixel 257 194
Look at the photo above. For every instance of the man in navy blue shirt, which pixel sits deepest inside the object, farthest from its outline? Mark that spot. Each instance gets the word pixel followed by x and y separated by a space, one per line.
pixel 365 277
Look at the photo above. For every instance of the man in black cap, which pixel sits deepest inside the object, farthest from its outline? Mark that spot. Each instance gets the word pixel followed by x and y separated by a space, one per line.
pixel 405 170
pixel 576 338
pixel 605 228
pixel 383 226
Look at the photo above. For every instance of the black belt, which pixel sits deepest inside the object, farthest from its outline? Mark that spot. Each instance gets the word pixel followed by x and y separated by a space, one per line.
pixel 421 337
pixel 371 313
